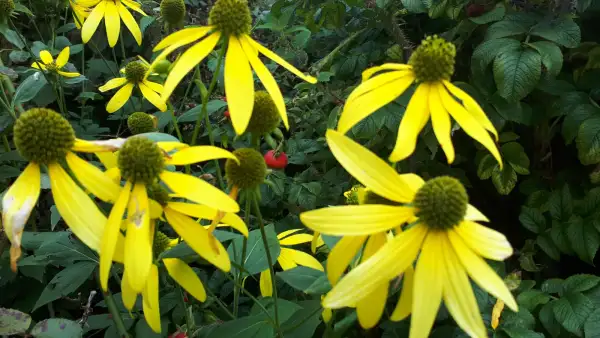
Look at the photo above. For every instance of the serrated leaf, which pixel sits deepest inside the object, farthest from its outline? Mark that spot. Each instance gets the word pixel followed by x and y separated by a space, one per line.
pixel 552 57
pixel 558 233
pixel 583 238
pixel 548 320
pixel 515 155
pixel 437 9
pixel 504 180
pixel 414 6
pixel 515 332
pixel 513 24
pixel 532 298
pixel 544 241
pixel 532 219
pixel 574 119
pixel 490 16
pixel 517 73
pixel 591 328
pixel 486 167
pixel 560 204
pixel 563 30
pixel 57 328
pixel 552 285
pixel 522 319
pixel 572 310
pixel 485 53
pixel 13 322
pixel 66 282
pixel 580 283
pixel 588 141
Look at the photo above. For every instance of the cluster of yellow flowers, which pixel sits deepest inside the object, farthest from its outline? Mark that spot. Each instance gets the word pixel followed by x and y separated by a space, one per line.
pixel 400 226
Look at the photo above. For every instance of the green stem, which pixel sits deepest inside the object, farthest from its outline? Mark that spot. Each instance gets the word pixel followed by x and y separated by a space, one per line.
pixel 269 261
pixel 122 43
pixel 189 88
pixel 257 302
pixel 174 119
pixel 236 293
pixel 188 318
pixel 116 314
pixel 292 328
pixel 220 303
pixel 82 83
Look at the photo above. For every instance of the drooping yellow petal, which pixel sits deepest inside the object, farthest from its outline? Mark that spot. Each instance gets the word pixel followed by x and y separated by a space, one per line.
pixel 68 74
pixel 134 5
pixel 152 97
pixel 316 242
pixel 157 87
pixel 458 294
pixel 38 65
pixel 127 294
pixel 239 85
pixel 370 308
pixel 363 106
pixel 188 35
pixel 199 154
pixel 472 107
pixel 108 159
pixel 93 179
pixel 368 168
pixel 389 261
pixel 469 124
pixel 138 240
pixel 413 121
pixel 98 146
pixel 484 241
pixel 266 52
pixel 75 207
pixel 286 260
pixel 374 84
pixel 120 98
pixel 481 272
pixel 302 258
pixel 63 57
pixel 113 83
pixel 91 23
pixel 404 306
pixel 428 286
pixel 440 120
pixel 186 277
pixel 169 146
pixel 354 220
pixel 287 233
pixel 265 77
pixel 112 21
pixel 266 285
pixel 366 75
pixel 150 304
pixel 341 255
pixel 204 212
pixel 199 191
pixel 46 57
pixel 188 61
pixel 475 215
pixel 130 23
pixel 111 233
pixel 199 239
pixel 296 239
pixel 496 313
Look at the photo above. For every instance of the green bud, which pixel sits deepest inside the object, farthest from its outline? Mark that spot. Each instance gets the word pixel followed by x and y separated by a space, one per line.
pixel 441 203
pixel 139 123
pixel 251 171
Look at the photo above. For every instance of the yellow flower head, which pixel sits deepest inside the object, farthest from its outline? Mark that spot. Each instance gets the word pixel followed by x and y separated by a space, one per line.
pixel 136 74
pixel 430 68
pixel 444 235
pixel 113 12
pixel 50 65
pixel 229 20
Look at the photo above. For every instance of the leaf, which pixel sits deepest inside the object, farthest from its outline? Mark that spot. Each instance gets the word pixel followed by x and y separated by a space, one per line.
pixel 13 37
pixel 560 204
pixel 583 238
pixel 57 328
pixel 532 298
pixel 490 16
pixel 241 328
pixel 504 180
pixel 142 329
pixel 486 167
pixel 515 332
pixel 256 258
pixel 301 277
pixel 552 57
pixel 574 119
pixel 522 319
pixel 487 51
pixel 13 322
pixel 65 282
pixel 64 250
pixel 558 234
pixel 553 285
pixel 414 6
pixel 580 283
pixel 320 286
pixel 544 241
pixel 515 155
pixel 517 73
pixel 29 88
pixel 548 320
pixel 572 310
pixel 591 328
pixel 563 30
pixel 513 24
pixel 304 322
pixel 532 219
pixel 192 114
pixel 588 141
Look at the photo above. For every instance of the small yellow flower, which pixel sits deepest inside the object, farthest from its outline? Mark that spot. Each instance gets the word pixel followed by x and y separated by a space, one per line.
pixel 50 65
pixel 443 230
pixel 136 75
pixel 112 11
pixel 289 258
pixel 430 67
pixel 230 20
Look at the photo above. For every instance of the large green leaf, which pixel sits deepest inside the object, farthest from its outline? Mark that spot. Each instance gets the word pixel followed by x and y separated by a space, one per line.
pixel 57 328
pixel 256 258
pixel 504 180
pixel 29 88
pixel 517 73
pixel 414 6
pixel 490 16
pixel 591 328
pixel 530 299
pixel 580 283
pixel 572 310
pixel 574 119
pixel 66 282
pixel 13 322
pixel 485 53
pixel 300 277
pixel 304 322
pixel 486 166
pixel 584 238
pixel 515 155
pixel 588 141
pixel 192 114
pixel 560 204
pixel 515 332
pixel 544 241
pixel 552 57
pixel 548 320
pixel 513 24
pixel 562 30
pixel 532 219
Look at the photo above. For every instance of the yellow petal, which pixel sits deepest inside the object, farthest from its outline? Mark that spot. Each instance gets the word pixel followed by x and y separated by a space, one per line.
pixel 316 242
pixel 151 301
pixel 265 77
pixel 155 209
pixel 239 85
pixel 134 5
pixel 469 124
pixel 481 272
pixel 127 294
pixel 111 234
pixel 370 308
pixel 389 261
pixel 374 83
pixel 46 57
pixel 199 154
pixel 204 212
pixel 484 241
pixel 63 57
pixel 93 179
pixel 188 61
pixel 112 21
pixel 108 159
pixel 302 258
pixel 287 233
pixel 266 52
pixel 199 239
pixel 472 107
pixel 169 146
pixel 266 285
pixel 296 239
pixel 186 277
pixel 113 83
pixel 475 215
pixel 130 23
pixel 75 207
pixel 496 313
pixel 157 87
pixel 362 106
pixel 91 23
pixel 413 121
pixel 354 220
pixel 404 306
pixel 120 98
pixel 368 168
pixel 286 260
pixel 152 97
pixel 458 294
pixel 188 35
pixel 38 65
pixel 199 191
pixel 440 120
pixel 138 241
pixel 98 146
pixel 428 286
pixel 386 66
pixel 341 256
pixel 68 74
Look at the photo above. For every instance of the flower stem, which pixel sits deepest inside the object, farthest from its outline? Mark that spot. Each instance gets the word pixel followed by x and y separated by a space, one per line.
pixel 114 311
pixel 220 303
pixel 236 293
pixel 174 120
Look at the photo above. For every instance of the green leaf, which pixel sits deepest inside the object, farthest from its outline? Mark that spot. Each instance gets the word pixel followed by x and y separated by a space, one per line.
pixel 588 141
pixel 66 282
pixel 591 328
pixel 580 283
pixel 13 322
pixel 532 298
pixel 515 155
pixel 304 322
pixel 320 286
pixel 572 310
pixel 504 180
pixel 490 16
pixel 29 88
pixel 57 328
pixel 486 167
pixel 13 37
pixel 544 241
pixel 301 277
pixel 142 329
pixel 487 51
pixel 242 327
pixel 515 332
pixel 159 137
pixel 517 73
pixel 560 204
pixel 414 6
pixel 256 258
pixel 558 233
pixel 591 202
pixel 507 136
pixel 522 319
pixel 532 219
pixel 552 57
pixel 574 119
pixel 513 24
pixel 437 9
pixel 192 114
pixel 583 238
pixel 548 320
pixel 553 285
pixel 563 30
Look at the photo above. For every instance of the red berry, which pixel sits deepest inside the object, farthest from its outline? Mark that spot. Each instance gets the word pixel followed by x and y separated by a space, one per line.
pixel 227 115
pixel 185 298
pixel 178 335
pixel 474 10
pixel 276 162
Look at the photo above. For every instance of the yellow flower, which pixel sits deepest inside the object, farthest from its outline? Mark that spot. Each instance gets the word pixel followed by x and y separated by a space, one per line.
pixel 230 20
pixel 430 66
pixel 81 10
pixel 112 11
pixel 45 138
pixel 142 164
pixel 444 231
pixel 289 258
pixel 50 65
pixel 136 73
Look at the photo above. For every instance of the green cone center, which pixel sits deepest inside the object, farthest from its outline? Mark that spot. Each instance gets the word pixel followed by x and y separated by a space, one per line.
pixel 251 171
pixel 141 160
pixel 160 244
pixel 6 8
pixel 172 11
pixel 135 71
pixel 140 122
pixel 158 193
pixel 265 117
pixel 441 203
pixel 231 17
pixel 433 60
